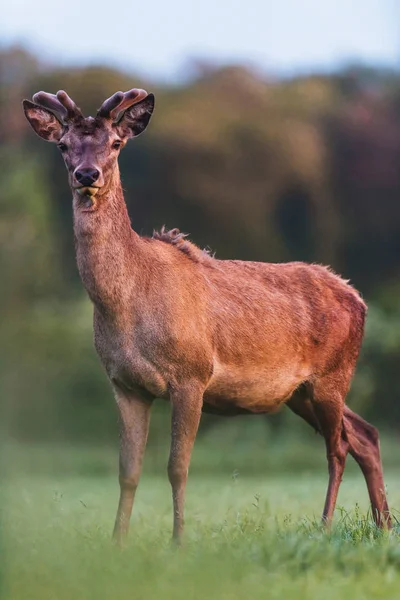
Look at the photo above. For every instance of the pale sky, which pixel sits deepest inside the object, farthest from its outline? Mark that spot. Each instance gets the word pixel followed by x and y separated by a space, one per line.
pixel 158 38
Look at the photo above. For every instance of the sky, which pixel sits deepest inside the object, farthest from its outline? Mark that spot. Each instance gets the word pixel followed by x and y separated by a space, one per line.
pixel 159 38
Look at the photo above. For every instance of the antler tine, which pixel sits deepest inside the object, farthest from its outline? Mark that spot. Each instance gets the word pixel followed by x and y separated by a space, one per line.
pixel 52 103
pixel 119 102
pixel 60 104
pixel 73 110
pixel 130 98
pixel 109 104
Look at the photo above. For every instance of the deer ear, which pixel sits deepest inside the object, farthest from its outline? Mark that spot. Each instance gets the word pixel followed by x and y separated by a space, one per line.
pixel 43 122
pixel 136 118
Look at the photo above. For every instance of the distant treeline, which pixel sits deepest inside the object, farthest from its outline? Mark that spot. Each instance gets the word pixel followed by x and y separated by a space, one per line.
pixel 300 169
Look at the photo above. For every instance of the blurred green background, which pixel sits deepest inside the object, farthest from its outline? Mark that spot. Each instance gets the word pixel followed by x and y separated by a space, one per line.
pixel 304 167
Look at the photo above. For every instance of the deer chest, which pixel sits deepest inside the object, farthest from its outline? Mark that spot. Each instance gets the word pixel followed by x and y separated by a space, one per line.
pixel 127 363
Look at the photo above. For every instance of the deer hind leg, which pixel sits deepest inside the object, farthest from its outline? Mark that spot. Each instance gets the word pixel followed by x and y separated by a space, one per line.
pixel 322 405
pixel 328 406
pixel 301 405
pixel 134 416
pixel 363 441
pixel 186 412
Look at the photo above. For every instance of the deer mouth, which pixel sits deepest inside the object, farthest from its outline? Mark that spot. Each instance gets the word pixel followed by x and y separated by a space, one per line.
pixel 87 190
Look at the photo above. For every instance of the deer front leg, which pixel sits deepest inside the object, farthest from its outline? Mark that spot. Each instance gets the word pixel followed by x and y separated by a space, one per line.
pixel 134 414
pixel 186 413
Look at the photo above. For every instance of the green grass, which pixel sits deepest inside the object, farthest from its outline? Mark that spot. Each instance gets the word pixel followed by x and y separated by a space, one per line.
pixel 255 537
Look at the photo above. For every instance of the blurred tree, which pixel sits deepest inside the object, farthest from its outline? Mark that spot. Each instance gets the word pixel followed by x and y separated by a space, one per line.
pixel 29 267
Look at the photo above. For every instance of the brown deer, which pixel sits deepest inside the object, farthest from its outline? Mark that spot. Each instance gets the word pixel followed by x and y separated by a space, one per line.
pixel 224 336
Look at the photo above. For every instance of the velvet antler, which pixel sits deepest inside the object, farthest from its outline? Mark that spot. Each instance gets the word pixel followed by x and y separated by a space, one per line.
pixel 60 104
pixel 113 107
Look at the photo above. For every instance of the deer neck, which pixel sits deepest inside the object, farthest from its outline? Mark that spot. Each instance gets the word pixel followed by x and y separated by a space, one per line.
pixel 107 248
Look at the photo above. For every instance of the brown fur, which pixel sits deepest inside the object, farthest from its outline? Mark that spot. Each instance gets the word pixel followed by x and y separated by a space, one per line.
pixel 224 336
pixel 178 239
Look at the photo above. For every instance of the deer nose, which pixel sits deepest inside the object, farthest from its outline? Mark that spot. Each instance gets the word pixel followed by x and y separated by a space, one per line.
pixel 87 176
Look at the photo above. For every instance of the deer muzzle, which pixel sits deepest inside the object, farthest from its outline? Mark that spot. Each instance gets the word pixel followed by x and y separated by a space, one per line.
pixel 88 179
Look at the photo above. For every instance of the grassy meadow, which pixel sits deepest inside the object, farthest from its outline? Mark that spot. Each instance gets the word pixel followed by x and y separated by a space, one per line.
pixel 255 536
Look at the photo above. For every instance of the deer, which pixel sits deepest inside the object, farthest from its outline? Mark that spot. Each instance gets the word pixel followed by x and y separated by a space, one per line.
pixel 173 322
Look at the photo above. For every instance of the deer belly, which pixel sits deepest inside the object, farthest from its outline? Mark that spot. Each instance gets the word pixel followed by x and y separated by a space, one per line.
pixel 250 391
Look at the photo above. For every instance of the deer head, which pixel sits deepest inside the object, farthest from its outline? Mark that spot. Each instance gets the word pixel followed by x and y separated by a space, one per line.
pixel 90 145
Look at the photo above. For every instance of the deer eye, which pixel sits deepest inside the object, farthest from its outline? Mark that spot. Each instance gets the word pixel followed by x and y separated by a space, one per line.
pixel 63 147
pixel 117 144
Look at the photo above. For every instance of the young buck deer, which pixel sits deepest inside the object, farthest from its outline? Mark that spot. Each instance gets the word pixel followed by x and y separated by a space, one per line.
pixel 224 336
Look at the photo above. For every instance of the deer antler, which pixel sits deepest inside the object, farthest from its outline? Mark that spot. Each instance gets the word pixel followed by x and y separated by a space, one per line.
pixel 119 102
pixel 63 107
